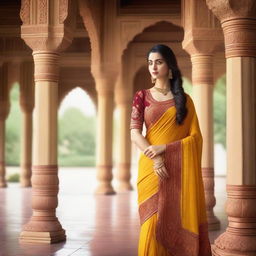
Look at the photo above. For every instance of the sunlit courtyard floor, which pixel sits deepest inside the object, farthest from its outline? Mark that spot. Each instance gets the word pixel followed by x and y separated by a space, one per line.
pixel 95 225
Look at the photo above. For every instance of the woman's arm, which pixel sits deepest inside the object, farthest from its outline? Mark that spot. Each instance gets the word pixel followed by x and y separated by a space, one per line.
pixel 152 151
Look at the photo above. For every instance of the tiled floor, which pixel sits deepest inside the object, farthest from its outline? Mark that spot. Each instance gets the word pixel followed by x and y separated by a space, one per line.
pixel 95 225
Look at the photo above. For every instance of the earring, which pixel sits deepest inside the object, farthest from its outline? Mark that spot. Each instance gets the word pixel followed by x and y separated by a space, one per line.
pixel 170 74
pixel 153 80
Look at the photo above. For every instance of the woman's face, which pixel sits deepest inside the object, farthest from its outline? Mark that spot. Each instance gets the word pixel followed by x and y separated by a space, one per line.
pixel 157 66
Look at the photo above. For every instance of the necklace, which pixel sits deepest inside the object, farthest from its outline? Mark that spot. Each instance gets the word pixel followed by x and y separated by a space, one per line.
pixel 163 91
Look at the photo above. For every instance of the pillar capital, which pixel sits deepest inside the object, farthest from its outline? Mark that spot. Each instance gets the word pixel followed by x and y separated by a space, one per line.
pixel 107 72
pixel 47 27
pixel 238 20
pixel 105 76
pixel 232 9
pixel 202 41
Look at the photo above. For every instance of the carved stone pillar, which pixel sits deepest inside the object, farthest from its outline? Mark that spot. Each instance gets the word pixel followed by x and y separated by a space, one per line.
pixel 202 37
pixel 27 106
pixel 46 33
pixel 238 20
pixel 123 104
pixel 202 79
pixel 45 182
pixel 4 111
pixel 104 87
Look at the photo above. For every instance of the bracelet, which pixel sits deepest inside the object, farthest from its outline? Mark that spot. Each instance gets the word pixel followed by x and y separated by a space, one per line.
pixel 158 165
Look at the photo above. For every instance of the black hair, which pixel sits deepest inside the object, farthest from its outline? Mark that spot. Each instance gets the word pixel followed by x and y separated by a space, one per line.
pixel 176 81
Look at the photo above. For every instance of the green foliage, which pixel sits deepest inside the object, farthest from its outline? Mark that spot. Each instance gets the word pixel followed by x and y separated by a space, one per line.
pixel 77 132
pixel 13 123
pixel 14 177
pixel 187 86
pixel 76 138
pixel 220 111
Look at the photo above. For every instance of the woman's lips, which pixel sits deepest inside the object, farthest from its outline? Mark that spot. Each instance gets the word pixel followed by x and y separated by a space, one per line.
pixel 155 73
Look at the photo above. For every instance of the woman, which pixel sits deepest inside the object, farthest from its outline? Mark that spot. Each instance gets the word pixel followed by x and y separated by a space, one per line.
pixel 170 187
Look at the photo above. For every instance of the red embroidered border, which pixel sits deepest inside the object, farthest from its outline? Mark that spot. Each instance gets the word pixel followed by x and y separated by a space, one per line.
pixel 169 230
pixel 148 208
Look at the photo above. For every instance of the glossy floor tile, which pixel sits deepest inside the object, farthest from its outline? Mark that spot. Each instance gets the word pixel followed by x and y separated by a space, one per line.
pixel 95 225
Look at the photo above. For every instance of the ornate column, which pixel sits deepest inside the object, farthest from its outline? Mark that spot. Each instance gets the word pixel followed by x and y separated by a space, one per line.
pixel 202 37
pixel 238 20
pixel 45 182
pixel 202 79
pixel 4 111
pixel 45 33
pixel 104 86
pixel 27 106
pixel 123 104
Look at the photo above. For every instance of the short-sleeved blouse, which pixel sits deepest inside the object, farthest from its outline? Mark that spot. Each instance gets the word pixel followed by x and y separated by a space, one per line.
pixel 147 109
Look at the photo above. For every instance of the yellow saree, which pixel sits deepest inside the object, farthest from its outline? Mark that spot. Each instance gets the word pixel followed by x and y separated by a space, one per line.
pixel 172 211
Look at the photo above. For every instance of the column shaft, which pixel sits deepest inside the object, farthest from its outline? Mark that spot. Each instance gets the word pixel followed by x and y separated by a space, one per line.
pixel 44 226
pixel 124 147
pixel 4 111
pixel 202 76
pixel 2 154
pixel 27 95
pixel 104 138
pixel 241 163
pixel 26 149
pixel 239 27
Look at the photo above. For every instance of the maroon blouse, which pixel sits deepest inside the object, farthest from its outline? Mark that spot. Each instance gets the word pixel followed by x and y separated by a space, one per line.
pixel 146 109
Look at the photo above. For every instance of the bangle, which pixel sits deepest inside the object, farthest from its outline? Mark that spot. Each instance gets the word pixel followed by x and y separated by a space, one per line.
pixel 158 165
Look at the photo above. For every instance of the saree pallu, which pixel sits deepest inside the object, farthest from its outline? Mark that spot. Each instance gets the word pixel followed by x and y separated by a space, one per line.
pixel 172 211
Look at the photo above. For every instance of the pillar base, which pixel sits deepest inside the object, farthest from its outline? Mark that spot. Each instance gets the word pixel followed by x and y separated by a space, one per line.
pixel 42 237
pixel 44 228
pixel 25 176
pixel 245 245
pixel 240 235
pixel 213 222
pixel 105 189
pixel 3 184
pixel 124 186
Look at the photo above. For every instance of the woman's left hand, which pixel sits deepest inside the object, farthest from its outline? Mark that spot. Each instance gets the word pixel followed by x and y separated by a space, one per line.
pixel 154 150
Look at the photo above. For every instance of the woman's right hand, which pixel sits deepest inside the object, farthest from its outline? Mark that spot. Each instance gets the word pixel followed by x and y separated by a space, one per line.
pixel 160 169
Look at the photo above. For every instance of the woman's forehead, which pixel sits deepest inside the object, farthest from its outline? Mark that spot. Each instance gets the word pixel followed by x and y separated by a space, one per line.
pixel 155 56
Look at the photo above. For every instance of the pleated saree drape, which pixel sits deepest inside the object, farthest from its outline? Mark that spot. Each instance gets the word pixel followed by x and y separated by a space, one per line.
pixel 172 211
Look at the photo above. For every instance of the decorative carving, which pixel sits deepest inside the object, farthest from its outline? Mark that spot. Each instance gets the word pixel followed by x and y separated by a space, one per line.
pixel 239 26
pixel 43 11
pixel 240 37
pixel 42 36
pixel 240 235
pixel 25 12
pixel 63 10
pixel 232 9
pixel 45 189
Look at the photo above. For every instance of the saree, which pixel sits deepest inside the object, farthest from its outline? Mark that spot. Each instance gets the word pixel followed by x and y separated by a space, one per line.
pixel 172 211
